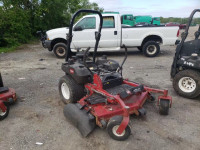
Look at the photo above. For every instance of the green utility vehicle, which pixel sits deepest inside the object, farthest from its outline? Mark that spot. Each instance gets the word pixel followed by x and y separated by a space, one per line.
pixel 156 20
pixel 128 19
pixel 131 20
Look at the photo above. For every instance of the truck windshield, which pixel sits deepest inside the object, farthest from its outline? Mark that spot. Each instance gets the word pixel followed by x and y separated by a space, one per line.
pixel 129 18
pixel 157 19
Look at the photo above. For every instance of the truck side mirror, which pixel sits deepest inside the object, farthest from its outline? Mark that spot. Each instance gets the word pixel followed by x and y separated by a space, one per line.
pixel 78 28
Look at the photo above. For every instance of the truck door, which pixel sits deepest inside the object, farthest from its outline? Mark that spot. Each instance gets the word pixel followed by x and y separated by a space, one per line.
pixel 84 33
pixel 110 34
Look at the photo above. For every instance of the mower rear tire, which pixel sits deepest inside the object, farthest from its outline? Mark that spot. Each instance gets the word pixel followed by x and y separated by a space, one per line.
pixel 187 83
pixel 3 115
pixel 69 90
pixel 151 49
pixel 164 107
pixel 112 127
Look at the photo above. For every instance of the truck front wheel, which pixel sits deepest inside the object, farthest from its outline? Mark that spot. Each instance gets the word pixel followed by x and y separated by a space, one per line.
pixel 60 50
pixel 151 49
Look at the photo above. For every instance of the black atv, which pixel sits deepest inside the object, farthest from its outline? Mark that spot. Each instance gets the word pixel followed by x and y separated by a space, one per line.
pixel 185 69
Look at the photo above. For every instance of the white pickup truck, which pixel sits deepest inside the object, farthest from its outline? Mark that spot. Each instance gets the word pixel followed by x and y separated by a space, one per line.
pixel 113 36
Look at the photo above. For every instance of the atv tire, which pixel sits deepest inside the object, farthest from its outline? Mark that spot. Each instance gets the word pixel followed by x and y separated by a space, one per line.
pixel 187 83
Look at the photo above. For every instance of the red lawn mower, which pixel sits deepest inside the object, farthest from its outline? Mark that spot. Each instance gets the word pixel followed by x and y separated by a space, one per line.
pixel 7 97
pixel 96 93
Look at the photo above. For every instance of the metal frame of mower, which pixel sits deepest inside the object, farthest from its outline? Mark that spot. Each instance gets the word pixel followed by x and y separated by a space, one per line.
pixel 7 97
pixel 185 69
pixel 99 106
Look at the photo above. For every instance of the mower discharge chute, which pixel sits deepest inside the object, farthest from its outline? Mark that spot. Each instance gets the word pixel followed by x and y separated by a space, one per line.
pixel 96 93
pixel 185 69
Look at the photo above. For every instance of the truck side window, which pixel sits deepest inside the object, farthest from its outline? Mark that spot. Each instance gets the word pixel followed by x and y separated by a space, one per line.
pixel 87 23
pixel 108 22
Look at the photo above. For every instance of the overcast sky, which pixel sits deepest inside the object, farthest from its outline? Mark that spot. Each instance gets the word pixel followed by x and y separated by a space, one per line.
pixel 156 8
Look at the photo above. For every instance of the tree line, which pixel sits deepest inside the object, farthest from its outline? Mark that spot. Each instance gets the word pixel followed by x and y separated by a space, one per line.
pixel 179 20
pixel 21 19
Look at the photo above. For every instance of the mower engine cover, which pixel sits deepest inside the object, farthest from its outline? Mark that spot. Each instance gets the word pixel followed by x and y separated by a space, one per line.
pixel 107 64
pixel 78 72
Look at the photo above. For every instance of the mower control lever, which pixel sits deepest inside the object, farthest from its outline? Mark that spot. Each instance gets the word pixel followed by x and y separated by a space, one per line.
pixel 126 55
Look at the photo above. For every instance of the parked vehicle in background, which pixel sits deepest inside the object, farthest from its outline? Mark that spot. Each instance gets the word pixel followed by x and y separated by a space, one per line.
pixel 128 19
pixel 142 24
pixel 147 19
pixel 156 21
pixel 181 26
pixel 113 36
pixel 131 20
pixel 172 24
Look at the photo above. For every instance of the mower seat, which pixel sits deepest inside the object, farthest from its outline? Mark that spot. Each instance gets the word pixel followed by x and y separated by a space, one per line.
pixel 3 90
pixel 111 80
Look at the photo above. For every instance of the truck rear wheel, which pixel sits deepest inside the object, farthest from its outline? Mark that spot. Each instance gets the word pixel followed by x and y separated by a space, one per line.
pixel 187 83
pixel 60 50
pixel 151 49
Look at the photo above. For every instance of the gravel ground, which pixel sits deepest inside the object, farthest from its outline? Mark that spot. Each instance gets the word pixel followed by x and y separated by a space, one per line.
pixel 38 115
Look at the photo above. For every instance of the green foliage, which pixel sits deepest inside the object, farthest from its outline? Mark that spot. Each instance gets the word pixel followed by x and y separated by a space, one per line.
pixel 20 19
pixel 179 20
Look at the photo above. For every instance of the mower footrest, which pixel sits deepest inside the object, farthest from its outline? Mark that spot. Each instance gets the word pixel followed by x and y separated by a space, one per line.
pixel 96 99
pixel 137 89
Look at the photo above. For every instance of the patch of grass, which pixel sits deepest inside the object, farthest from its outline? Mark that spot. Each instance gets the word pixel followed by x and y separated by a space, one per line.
pixel 8 49
pixel 15 47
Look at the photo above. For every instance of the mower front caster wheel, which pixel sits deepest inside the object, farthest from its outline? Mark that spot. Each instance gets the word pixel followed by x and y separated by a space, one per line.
pixel 112 127
pixel 3 115
pixel 164 107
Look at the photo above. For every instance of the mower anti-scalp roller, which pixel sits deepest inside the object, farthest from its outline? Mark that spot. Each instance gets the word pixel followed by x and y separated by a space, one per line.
pixel 83 120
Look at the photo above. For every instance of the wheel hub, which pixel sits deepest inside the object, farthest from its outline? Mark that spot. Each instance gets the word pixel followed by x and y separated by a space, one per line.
pixel 151 49
pixel 60 51
pixel 187 84
pixel 65 91
pixel 114 130
pixel 2 113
